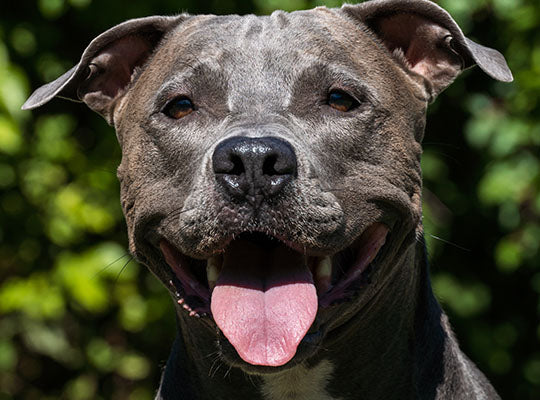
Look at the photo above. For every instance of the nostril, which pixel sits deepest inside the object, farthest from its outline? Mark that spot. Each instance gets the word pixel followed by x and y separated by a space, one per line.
pixel 238 166
pixel 269 165
pixel 285 164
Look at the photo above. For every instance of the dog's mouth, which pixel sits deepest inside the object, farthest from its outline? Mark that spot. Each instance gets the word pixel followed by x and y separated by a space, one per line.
pixel 264 295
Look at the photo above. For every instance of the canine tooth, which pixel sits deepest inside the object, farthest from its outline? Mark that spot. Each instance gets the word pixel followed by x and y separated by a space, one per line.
pixel 323 274
pixel 212 271
pixel 324 268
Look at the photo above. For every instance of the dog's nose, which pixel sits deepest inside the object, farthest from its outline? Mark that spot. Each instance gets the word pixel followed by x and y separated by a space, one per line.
pixel 254 168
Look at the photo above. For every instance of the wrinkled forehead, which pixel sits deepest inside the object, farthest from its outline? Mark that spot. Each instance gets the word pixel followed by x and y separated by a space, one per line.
pixel 257 37
pixel 263 57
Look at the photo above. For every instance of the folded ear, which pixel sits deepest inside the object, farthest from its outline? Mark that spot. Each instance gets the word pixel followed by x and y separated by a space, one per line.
pixel 107 66
pixel 427 41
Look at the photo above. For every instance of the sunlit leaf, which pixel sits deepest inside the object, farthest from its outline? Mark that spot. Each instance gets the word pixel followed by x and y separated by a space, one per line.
pixel 84 274
pixel 36 296
pixel 465 300
pixel 10 136
pixel 133 366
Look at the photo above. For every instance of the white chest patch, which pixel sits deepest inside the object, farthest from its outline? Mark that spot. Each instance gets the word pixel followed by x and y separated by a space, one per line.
pixel 299 383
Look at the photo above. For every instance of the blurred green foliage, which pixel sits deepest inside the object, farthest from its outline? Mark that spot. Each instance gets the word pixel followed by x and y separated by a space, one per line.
pixel 81 320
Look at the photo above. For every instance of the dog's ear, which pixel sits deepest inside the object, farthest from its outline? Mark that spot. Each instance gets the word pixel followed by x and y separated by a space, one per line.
pixel 427 41
pixel 108 65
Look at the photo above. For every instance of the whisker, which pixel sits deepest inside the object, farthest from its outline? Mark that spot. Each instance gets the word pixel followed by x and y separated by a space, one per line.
pixel 109 265
pixel 227 372
pixel 110 171
pixel 450 243
pixel 211 354
pixel 213 374
pixel 448 157
pixel 250 379
pixel 122 269
pixel 174 214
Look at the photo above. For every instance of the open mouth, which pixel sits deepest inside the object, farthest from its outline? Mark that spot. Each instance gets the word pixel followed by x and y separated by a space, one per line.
pixel 264 295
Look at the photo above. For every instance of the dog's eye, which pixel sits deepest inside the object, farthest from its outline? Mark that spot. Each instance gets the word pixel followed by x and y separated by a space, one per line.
pixel 178 107
pixel 341 101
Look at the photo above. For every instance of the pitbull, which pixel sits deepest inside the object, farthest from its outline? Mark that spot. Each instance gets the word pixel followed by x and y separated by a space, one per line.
pixel 270 178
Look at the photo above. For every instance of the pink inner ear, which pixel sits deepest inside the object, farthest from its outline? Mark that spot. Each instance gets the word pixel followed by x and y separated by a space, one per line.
pixel 117 63
pixel 421 42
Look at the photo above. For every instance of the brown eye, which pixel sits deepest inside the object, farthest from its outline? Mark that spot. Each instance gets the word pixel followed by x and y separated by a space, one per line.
pixel 178 108
pixel 341 101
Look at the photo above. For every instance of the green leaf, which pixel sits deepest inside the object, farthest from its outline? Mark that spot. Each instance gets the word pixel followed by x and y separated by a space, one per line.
pixel 36 296
pixel 84 275
pixel 10 136
pixel 133 366
pixel 466 300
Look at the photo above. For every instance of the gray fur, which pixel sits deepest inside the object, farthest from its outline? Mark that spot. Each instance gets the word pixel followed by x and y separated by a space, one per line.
pixel 270 76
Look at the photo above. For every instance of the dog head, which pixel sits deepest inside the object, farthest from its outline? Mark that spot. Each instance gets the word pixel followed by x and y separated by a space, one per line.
pixel 270 172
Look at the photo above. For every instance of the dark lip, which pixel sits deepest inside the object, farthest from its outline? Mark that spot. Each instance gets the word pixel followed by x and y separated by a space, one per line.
pixel 188 280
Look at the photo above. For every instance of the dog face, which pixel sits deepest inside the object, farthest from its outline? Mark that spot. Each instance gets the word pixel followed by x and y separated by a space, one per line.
pixel 239 86
pixel 270 172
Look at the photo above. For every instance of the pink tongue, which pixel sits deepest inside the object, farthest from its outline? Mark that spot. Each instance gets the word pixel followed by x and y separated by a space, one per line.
pixel 264 302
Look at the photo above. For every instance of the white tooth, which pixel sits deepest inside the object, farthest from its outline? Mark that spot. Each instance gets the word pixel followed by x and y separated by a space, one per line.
pixel 323 275
pixel 324 268
pixel 212 271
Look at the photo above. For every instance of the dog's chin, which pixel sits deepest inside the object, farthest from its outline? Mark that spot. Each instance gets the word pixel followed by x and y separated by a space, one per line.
pixel 267 297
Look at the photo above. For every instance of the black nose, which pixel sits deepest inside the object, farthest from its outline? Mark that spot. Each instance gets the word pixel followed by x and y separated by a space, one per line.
pixel 254 168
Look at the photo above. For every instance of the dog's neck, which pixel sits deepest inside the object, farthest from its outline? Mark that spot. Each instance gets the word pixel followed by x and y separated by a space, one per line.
pixel 389 350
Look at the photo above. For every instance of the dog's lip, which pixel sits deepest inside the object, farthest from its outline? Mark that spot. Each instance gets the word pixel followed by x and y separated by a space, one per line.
pixel 193 285
pixel 179 264
pixel 365 250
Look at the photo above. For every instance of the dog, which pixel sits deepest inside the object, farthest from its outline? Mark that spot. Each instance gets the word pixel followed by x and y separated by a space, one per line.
pixel 270 179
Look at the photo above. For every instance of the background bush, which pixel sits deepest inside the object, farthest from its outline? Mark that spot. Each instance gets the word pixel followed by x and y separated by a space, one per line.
pixel 80 320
